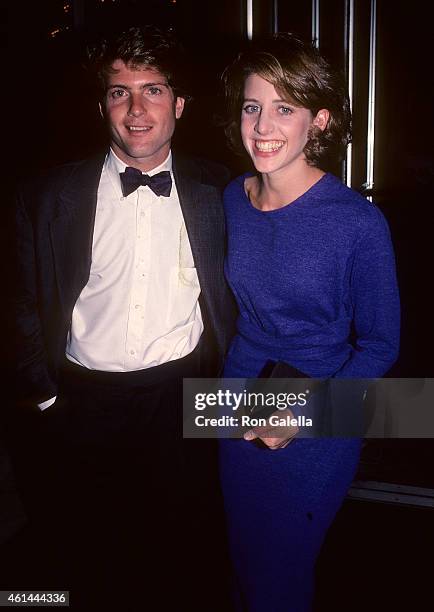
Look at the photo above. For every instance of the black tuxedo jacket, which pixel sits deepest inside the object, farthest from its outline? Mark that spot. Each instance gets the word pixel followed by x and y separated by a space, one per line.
pixel 55 221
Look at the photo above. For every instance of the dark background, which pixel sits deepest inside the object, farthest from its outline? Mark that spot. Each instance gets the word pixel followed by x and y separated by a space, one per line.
pixel 51 117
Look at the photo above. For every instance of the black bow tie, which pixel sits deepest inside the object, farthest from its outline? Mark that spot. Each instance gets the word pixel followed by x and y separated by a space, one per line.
pixel 131 179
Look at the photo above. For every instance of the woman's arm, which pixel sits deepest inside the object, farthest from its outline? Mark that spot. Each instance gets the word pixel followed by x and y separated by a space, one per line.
pixel 376 306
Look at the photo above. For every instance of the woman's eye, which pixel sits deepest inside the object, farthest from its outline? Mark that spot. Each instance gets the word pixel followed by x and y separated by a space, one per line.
pixel 285 110
pixel 251 108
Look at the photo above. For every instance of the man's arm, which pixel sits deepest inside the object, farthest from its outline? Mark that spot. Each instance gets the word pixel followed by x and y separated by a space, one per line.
pixel 34 384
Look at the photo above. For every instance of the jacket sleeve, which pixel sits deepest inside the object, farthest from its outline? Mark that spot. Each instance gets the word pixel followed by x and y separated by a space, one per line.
pixel 33 382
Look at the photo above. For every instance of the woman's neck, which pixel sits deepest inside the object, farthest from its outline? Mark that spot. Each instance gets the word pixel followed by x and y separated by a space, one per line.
pixel 278 189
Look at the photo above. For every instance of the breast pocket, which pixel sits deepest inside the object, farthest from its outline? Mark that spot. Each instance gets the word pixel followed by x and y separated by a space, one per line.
pixel 183 296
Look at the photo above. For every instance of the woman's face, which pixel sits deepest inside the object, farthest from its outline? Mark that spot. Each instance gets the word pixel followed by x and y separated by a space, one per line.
pixel 274 132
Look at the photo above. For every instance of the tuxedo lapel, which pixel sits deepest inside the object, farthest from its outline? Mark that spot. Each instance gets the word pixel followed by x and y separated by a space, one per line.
pixel 71 230
pixel 201 208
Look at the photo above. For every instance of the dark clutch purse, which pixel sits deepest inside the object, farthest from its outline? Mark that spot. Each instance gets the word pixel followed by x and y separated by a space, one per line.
pixel 281 369
pixel 276 377
pixel 336 405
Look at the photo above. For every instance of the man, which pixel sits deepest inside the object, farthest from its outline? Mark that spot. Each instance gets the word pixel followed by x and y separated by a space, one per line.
pixel 121 295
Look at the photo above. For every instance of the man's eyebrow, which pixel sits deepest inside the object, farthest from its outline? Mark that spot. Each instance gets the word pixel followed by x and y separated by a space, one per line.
pixel 142 86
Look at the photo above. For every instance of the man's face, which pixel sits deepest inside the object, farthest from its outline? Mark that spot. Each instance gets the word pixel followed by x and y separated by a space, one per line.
pixel 141 111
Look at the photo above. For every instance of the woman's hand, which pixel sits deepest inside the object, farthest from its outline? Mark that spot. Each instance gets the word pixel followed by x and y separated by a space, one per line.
pixel 272 435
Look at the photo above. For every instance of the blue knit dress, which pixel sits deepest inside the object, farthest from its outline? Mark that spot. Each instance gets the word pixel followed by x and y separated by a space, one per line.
pixel 304 276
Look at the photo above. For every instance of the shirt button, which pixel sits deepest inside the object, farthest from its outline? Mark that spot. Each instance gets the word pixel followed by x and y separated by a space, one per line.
pixel 132 352
pixel 137 306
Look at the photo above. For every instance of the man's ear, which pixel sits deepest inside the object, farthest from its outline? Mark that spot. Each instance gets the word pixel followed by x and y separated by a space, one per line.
pixel 179 106
pixel 321 119
pixel 101 110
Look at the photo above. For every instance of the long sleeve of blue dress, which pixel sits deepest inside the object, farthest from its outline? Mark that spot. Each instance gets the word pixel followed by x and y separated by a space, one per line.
pixel 375 304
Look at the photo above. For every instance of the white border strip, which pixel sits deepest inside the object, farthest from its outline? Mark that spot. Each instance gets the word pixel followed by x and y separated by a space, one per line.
pixel 386 492
pixel 349 68
pixel 371 98
pixel 249 19
pixel 275 16
pixel 315 23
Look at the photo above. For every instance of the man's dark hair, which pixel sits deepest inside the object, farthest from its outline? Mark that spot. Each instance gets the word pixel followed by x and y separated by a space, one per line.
pixel 141 47
pixel 301 76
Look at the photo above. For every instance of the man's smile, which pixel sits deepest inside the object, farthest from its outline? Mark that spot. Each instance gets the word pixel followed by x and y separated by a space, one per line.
pixel 138 128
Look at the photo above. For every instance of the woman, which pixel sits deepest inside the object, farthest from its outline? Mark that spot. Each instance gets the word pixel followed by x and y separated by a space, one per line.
pixel 312 268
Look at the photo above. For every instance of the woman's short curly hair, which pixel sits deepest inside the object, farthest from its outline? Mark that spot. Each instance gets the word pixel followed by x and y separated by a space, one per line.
pixel 303 77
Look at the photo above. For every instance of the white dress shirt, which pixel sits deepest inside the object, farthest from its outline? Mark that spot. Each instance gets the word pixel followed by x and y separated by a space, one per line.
pixel 140 306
